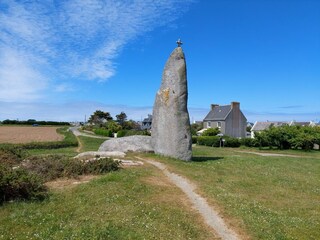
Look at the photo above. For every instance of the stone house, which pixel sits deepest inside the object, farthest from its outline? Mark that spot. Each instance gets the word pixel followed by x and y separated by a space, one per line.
pixel 261 126
pixel 147 123
pixel 228 118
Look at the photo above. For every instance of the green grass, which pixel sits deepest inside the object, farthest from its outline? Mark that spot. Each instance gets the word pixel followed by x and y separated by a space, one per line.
pixel 90 144
pixel 268 197
pixel 126 204
pixel 262 197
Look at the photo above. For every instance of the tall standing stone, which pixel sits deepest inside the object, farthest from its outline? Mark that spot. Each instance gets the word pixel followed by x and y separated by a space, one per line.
pixel 171 131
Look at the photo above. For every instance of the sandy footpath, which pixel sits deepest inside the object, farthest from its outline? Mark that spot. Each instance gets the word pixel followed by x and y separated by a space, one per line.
pixel 209 214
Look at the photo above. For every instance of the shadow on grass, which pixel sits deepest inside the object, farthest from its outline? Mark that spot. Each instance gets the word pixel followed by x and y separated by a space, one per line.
pixel 205 159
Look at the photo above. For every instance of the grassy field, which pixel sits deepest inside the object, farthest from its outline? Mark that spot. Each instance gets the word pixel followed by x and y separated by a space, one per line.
pixel 266 197
pixel 260 197
pixel 130 204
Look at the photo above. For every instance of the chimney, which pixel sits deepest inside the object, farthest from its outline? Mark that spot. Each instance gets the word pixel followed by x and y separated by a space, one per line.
pixel 235 105
pixel 213 106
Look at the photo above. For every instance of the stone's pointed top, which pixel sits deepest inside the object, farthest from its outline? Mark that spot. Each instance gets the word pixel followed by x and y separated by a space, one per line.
pixel 179 42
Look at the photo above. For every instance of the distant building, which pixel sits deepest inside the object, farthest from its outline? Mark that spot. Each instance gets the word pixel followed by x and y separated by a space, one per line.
pixel 228 118
pixel 147 123
pixel 261 126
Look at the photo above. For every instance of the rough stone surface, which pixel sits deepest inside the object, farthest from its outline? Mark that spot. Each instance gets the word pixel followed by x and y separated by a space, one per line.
pixel 90 154
pixel 126 144
pixel 171 131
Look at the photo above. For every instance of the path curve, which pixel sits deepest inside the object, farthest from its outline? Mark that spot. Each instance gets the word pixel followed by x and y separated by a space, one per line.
pixel 77 133
pixel 210 216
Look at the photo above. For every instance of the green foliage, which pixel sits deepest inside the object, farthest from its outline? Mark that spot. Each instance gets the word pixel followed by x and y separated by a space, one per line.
pixel 121 118
pixel 195 127
pixel 249 142
pixel 194 139
pixel 18 184
pixel 126 133
pixel 33 121
pixel 103 132
pixel 231 142
pixel 113 126
pixel 212 141
pixel 286 137
pixel 98 116
pixel 11 155
pixel 50 167
pixel 130 125
pixel 211 132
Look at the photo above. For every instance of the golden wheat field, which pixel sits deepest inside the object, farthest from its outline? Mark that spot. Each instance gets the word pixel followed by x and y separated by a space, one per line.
pixel 26 134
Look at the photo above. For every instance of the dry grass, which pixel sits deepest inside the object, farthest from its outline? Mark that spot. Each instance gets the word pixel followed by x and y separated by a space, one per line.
pixel 27 134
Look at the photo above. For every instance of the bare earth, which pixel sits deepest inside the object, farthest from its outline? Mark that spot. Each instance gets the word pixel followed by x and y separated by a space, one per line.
pixel 17 134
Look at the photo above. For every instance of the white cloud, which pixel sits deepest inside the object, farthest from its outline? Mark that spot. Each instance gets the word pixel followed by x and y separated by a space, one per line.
pixel 77 38
pixel 18 79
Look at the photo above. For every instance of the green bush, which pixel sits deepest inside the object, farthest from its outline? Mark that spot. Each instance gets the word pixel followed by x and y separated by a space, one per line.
pixel 194 139
pixel 50 167
pixel 231 142
pixel 103 132
pixel 213 141
pixel 11 155
pixel 126 133
pixel 103 165
pixel 249 142
pixel 121 133
pixel 211 132
pixel 19 184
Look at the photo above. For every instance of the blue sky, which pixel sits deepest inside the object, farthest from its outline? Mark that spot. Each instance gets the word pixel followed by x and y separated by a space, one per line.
pixel 62 60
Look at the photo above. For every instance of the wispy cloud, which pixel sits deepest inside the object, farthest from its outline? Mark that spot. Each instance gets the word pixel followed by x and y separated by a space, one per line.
pixel 292 107
pixel 48 40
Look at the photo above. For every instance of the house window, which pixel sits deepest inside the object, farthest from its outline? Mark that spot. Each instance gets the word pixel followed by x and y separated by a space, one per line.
pixel 219 124
pixel 209 125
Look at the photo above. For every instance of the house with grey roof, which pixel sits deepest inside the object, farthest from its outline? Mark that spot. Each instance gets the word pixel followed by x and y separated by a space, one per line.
pixel 261 126
pixel 147 123
pixel 228 118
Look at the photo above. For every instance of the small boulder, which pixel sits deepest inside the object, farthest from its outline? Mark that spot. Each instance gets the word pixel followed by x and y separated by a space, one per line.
pixel 128 144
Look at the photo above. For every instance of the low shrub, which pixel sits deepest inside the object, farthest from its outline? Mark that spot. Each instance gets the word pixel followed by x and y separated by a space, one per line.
pixel 213 141
pixel 50 167
pixel 103 165
pixel 231 142
pixel 121 133
pixel 126 133
pixel 194 139
pixel 249 142
pixel 19 184
pixel 103 132
pixel 11 155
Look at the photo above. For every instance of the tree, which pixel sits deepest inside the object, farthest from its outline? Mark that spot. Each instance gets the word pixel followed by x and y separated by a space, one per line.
pixel 99 116
pixel 211 132
pixel 113 126
pixel 121 118
pixel 195 127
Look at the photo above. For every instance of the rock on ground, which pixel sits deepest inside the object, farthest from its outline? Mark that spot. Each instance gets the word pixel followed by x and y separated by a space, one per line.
pixel 91 154
pixel 171 131
pixel 126 144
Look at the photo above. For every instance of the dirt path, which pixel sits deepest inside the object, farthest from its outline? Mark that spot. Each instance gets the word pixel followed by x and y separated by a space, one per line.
pixel 210 216
pixel 76 132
